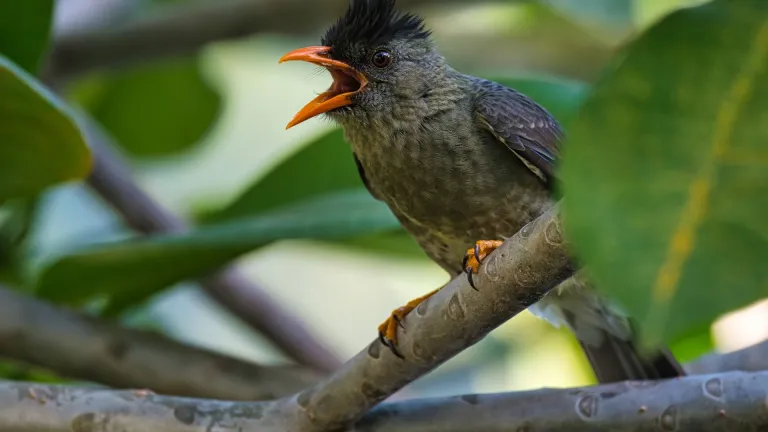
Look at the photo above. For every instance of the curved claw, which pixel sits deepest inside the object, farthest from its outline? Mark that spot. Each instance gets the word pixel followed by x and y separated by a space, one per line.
pixel 395 351
pixel 398 321
pixel 468 271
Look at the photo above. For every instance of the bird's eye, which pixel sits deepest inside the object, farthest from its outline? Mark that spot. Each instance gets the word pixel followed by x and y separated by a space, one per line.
pixel 382 59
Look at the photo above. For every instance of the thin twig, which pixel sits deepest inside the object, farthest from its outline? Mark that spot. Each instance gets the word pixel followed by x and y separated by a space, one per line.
pixel 78 346
pixel 733 401
pixel 112 180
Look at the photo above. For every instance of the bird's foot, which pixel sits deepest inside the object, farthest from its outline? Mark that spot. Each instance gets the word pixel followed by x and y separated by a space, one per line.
pixel 388 329
pixel 475 256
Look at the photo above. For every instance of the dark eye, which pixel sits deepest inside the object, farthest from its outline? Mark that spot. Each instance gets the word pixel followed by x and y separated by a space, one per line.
pixel 382 59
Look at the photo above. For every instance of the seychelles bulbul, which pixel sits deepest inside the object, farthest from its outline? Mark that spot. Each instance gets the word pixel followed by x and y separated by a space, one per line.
pixel 462 162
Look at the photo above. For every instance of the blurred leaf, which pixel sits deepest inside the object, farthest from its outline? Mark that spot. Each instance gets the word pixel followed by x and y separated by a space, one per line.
pixel 40 143
pixel 134 270
pixel 694 344
pixel 666 171
pixel 10 370
pixel 602 12
pixel 323 165
pixel 610 18
pixel 397 243
pixel 16 219
pixel 24 29
pixel 648 11
pixel 152 110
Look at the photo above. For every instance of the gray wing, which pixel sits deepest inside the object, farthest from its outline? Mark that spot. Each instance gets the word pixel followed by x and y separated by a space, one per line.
pixel 520 124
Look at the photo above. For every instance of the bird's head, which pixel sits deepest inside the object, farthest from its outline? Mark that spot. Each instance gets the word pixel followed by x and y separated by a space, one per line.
pixel 377 57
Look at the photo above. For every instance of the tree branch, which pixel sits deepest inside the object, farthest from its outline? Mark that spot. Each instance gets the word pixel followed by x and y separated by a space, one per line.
pixel 78 346
pixel 184 30
pixel 112 180
pixel 512 278
pixel 733 401
pixel 751 359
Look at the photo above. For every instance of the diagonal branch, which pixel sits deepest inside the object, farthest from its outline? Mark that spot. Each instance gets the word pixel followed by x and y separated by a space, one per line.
pixel 732 401
pixel 112 180
pixel 77 346
pixel 512 278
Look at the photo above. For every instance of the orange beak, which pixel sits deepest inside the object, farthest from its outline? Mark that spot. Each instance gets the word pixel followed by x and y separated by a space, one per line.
pixel 346 82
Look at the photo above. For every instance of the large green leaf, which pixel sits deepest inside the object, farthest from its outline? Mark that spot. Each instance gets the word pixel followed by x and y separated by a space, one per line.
pixel 135 269
pixel 152 110
pixel 666 172
pixel 24 29
pixel 40 145
pixel 322 166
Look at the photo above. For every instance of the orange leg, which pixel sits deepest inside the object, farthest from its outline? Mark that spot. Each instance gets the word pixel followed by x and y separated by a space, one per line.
pixel 388 329
pixel 474 256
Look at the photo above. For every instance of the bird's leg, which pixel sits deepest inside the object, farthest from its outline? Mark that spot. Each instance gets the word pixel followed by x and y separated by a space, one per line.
pixel 474 256
pixel 388 329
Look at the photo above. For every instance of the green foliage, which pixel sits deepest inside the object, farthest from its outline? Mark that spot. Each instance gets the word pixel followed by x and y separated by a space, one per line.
pixel 131 271
pixel 41 145
pixel 597 14
pixel 666 172
pixel 24 29
pixel 152 110
pixel 323 165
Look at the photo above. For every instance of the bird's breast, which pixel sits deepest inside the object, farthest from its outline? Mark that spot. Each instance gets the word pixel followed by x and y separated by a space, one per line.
pixel 449 184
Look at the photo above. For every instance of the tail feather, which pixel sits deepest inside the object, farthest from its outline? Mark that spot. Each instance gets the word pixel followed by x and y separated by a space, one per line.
pixel 619 360
pixel 605 333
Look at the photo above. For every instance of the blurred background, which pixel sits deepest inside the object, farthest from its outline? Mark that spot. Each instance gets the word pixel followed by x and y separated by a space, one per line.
pixel 202 130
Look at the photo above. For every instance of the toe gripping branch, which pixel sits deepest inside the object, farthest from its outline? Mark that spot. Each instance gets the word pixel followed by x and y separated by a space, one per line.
pixel 471 264
pixel 475 256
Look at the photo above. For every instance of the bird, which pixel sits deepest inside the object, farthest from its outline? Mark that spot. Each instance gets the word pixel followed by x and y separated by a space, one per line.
pixel 462 162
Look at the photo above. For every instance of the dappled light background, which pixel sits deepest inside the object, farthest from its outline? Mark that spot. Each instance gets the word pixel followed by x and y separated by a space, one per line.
pixel 341 292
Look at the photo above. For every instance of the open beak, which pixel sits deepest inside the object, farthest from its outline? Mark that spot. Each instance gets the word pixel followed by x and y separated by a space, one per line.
pixel 346 82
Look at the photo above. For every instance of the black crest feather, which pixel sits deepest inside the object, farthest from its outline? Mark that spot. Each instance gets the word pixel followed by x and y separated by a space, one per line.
pixel 373 22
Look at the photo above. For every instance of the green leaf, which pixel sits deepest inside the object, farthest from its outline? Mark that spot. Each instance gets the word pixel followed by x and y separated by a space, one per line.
pixel 40 145
pixel 24 29
pixel 324 165
pixel 596 12
pixel 396 243
pixel 648 11
pixel 154 110
pixel 610 19
pixel 694 344
pixel 134 270
pixel 665 174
